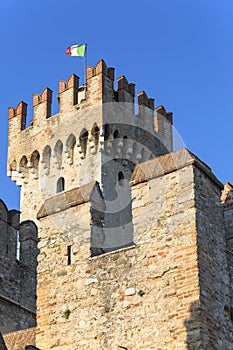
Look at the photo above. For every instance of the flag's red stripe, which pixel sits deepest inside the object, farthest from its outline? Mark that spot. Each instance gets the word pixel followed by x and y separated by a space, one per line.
pixel 68 51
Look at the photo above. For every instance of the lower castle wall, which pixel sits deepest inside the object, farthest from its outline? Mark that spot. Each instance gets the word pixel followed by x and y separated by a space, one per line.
pixel 228 225
pixel 17 280
pixel 138 297
pixel 214 273
pixel 17 296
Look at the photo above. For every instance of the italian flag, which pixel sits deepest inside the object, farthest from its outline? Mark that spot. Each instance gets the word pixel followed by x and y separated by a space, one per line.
pixel 76 50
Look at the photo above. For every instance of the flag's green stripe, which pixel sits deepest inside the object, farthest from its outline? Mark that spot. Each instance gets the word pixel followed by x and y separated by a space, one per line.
pixel 81 50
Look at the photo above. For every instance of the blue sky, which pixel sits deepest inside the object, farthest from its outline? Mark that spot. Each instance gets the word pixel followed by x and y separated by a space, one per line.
pixel 179 51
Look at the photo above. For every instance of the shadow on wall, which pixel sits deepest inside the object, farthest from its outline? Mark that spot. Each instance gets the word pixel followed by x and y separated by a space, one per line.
pixel 193 328
pixel 2 343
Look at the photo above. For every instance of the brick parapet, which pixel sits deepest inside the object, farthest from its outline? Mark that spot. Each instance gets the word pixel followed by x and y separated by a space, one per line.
pixel 168 163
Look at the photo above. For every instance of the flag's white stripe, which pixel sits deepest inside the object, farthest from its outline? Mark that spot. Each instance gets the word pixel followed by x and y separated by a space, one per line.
pixel 74 50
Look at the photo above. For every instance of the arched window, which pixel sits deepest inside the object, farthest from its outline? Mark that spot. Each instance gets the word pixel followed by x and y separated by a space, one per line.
pixel 35 157
pixel 95 132
pixel 116 134
pixel 13 165
pixel 46 157
pixel 60 184
pixel 121 179
pixel 117 145
pixel 23 166
pixel 83 138
pixel 58 153
pixel 70 143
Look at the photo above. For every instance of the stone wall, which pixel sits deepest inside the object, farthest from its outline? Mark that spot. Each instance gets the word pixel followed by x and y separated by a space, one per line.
pixel 214 273
pixel 151 295
pixel 227 199
pixel 17 272
pixel 165 292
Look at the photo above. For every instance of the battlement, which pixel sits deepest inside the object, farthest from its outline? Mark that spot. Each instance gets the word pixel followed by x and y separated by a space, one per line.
pixel 42 106
pixel 17 116
pixel 15 237
pixel 100 68
pixel 96 122
pixel 99 88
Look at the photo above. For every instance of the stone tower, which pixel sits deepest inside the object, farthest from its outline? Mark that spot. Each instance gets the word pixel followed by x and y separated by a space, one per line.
pixel 96 137
pixel 131 234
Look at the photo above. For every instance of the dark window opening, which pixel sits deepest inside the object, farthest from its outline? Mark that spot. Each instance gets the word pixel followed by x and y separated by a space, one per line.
pixel 70 143
pixel 60 184
pixel 23 167
pixel 106 131
pixel 35 157
pixel 83 141
pixel 46 157
pixel 116 134
pixel 121 179
pixel 95 134
pixel 69 255
pixel 58 149
pixel 17 246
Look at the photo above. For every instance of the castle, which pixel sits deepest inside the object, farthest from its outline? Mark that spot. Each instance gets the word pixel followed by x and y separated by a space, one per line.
pixel 121 243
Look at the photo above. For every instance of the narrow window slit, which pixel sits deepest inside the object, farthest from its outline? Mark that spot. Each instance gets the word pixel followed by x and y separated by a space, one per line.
pixel 17 246
pixel 69 255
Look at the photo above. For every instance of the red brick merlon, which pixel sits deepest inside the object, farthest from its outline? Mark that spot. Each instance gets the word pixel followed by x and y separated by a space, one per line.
pixel 69 199
pixel 169 163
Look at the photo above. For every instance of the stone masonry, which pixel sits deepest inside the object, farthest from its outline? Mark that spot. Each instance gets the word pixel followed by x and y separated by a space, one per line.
pixel 135 239
pixel 17 271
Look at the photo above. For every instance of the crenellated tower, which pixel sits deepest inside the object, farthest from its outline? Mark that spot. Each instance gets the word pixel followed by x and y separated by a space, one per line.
pixel 135 246
pixel 74 170
pixel 98 135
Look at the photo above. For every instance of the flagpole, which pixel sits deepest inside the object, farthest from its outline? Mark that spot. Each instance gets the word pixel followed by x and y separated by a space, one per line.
pixel 85 68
